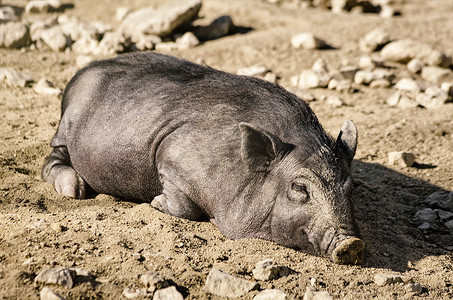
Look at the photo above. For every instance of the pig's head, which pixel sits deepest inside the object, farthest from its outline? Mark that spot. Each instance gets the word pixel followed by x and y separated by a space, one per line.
pixel 309 185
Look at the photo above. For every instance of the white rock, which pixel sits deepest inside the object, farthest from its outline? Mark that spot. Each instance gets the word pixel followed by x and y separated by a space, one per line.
pixel 302 94
pixel 447 87
pixel 308 41
pixel 167 47
pixel 387 11
pixel 187 40
pixel 348 72
pixel 111 43
pixel 320 65
pixel 386 279
pixel 146 41
pixel 85 45
pixel 402 99
pixel 364 77
pixel 45 87
pixel 225 285
pixel 367 63
pixel 380 83
pixel 309 79
pixel 271 77
pixel 40 6
pixel 61 276
pixel 253 71
pixel 340 85
pixel 135 293
pixel 271 295
pixel 15 78
pixel 432 97
pixel 404 159
pixel 408 84
pixel 47 294
pixel 170 293
pixel 55 38
pixel 312 294
pixel 14 35
pixel 161 20
pixel 218 28
pixel 154 281
pixel 83 60
pixel 404 50
pixel 436 74
pixel 7 14
pixel 334 101
pixel 266 270
pixel 425 215
pixel 374 40
pixel 121 13
pixel 415 65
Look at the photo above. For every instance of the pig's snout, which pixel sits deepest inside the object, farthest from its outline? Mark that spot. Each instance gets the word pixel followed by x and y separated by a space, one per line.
pixel 349 251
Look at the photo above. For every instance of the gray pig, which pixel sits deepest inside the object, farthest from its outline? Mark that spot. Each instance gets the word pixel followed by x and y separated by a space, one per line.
pixel 203 144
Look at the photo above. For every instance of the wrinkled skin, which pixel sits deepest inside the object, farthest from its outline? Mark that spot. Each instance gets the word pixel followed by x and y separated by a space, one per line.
pixel 207 145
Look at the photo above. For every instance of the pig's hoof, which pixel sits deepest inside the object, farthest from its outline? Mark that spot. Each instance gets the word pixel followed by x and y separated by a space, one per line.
pixel 69 184
pixel 349 252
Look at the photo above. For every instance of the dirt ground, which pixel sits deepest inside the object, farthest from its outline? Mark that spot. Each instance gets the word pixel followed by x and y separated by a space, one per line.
pixel 117 241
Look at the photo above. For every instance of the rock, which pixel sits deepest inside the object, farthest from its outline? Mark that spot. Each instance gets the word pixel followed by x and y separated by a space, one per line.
pixel 161 20
pixel 374 40
pixel 111 43
pixel 442 200
pixel 369 63
pixel 348 72
pixel 425 215
pixel 121 13
pixel 307 41
pixel 436 74
pixel 47 294
pixel 253 71
pixel 386 279
pixel 380 83
pixel 14 35
pixel 404 50
pixel 15 78
pixel 415 65
pixel 54 38
pixel 424 226
pixel 447 87
pixel 83 60
pixel 449 224
pixel 266 270
pixel 413 287
pixel 312 294
pixel 154 281
pixel 340 85
pixel 404 159
pixel 309 79
pixel 7 14
pixel 271 77
pixel 432 97
pixel 146 41
pixel 220 27
pixel 225 285
pixel 334 101
pixel 187 40
pixel 46 87
pixel 320 65
pixel 271 295
pixel 76 30
pixel 387 11
pixel 42 6
pixel 408 84
pixel 61 276
pixel 402 99
pixel 443 215
pixel 170 293
pixel 85 45
pixel 302 94
pixel 364 77
pixel 135 293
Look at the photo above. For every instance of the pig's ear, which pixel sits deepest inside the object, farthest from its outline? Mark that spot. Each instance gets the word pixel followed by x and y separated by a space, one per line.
pixel 347 140
pixel 259 148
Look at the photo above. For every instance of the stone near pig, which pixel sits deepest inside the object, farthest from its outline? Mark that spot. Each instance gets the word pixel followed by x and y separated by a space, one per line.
pixel 15 78
pixel 154 281
pixel 374 40
pixel 404 159
pixel 380 83
pixel 334 101
pixel 442 200
pixel 408 84
pixel 413 287
pixel 55 38
pixel 447 87
pixel 220 27
pixel 135 293
pixel 267 270
pixel 208 145
pixel 42 6
pixel 160 20
pixel 47 294
pixel 85 45
pixel 425 215
pixel 443 215
pixel 187 40
pixel 273 294
pixel 348 72
pixel 111 43
pixel 388 11
pixel 307 40
pixel 404 50
pixel 61 276
pixel 343 86
pixel 121 13
pixel 449 224
pixel 312 294
pixel 432 97
pixel 169 293
pixel 309 79
pixel 146 41
pixel 14 35
pixel 253 71
pixel 44 86
pixel 415 65
pixel 382 279
pixel 83 60
pixel 225 285
pixel 7 14
pixel 436 74
pixel 402 99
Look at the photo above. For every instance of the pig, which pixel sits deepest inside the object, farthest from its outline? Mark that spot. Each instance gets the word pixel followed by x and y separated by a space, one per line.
pixel 202 144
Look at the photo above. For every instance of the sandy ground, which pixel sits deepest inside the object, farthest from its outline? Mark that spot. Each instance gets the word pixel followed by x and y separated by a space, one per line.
pixel 117 241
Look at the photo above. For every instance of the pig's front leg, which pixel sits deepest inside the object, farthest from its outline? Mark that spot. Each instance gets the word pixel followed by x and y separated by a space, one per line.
pixel 174 202
pixel 57 170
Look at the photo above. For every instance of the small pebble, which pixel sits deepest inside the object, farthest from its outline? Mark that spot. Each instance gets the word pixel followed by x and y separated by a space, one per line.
pixel 169 293
pixel 266 270
pixel 404 159
pixel 386 279
pixel 273 294
pixel 307 41
pixel 47 294
pixel 225 285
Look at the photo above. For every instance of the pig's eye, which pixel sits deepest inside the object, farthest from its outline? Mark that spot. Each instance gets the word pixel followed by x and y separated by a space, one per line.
pixel 299 187
pixel 298 192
